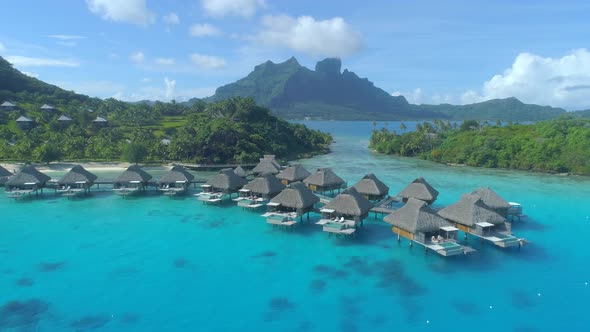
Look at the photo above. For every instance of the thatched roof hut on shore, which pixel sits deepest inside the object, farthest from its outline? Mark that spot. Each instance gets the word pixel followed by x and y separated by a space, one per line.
pixel 296 197
pixel 133 179
pixel 177 180
pixel 226 181
pixel 493 200
pixel 266 185
pixel 323 180
pixel 371 187
pixel 350 204
pixel 294 173
pixel 27 180
pixel 7 105
pixel 471 215
pixel 24 122
pixel 77 178
pixel 419 189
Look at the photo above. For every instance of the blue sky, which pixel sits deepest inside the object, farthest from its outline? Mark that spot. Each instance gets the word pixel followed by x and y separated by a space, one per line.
pixel 429 51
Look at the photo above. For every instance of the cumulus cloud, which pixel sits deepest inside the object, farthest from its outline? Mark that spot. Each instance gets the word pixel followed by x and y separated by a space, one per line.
pixel 171 19
pixel 220 8
pixel 128 11
pixel 204 30
pixel 208 61
pixel 332 37
pixel 561 82
pixel 165 61
pixel 170 87
pixel 25 61
pixel 137 57
pixel 66 37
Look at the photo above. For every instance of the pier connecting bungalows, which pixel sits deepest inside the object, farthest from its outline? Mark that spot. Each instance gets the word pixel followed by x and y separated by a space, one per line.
pixel 417 222
pixel 372 188
pixel 419 189
pixel 75 182
pixel 4 175
pixel 26 181
pixel 225 182
pixel 176 181
pixel 324 180
pixel 259 190
pixel 294 201
pixel 471 215
pixel 293 173
pixel 345 212
pixel 133 180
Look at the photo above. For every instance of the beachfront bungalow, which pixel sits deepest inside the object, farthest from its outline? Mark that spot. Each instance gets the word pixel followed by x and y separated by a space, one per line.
pixel 294 201
pixel 417 222
pixel 133 180
pixel 47 108
pixel 294 173
pixel 240 172
pixel 8 106
pixel 24 122
pixel 77 181
pixel 324 180
pixel 471 215
pixel 176 181
pixel 26 181
pixel 225 182
pixel 64 120
pixel 4 175
pixel 493 200
pixel 268 164
pixel 345 212
pixel 372 188
pixel 419 189
pixel 100 122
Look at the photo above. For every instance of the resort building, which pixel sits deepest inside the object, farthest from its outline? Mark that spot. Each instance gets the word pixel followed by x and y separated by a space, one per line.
pixel 133 180
pixel 26 181
pixel 324 180
pixel 77 181
pixel 417 222
pixel 8 106
pixel 345 212
pixel 176 181
pixel 268 164
pixel 100 122
pixel 225 182
pixel 266 185
pixel 4 175
pixel 24 122
pixel 47 108
pixel 419 189
pixel 493 200
pixel 294 173
pixel 240 172
pixel 294 201
pixel 372 188
pixel 64 120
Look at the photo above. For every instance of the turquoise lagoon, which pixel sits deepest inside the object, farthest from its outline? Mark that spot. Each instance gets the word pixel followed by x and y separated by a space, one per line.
pixel 159 264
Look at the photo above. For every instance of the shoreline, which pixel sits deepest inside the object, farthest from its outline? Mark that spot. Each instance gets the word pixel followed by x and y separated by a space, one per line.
pixel 66 166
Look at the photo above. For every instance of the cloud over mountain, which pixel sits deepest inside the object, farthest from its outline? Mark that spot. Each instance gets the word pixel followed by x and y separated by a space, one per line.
pixel 127 11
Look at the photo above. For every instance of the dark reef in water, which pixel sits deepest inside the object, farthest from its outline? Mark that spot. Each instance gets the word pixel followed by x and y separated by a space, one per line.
pixel 50 267
pixel 317 285
pixel 24 315
pixel 521 300
pixel 90 322
pixel 265 254
pixel 25 282
pixel 180 263
pixel 465 307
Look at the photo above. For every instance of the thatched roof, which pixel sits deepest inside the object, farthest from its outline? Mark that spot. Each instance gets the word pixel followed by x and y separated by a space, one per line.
pixel 371 185
pixel 77 174
pixel 227 180
pixel 4 172
pixel 99 119
pixel 469 210
pixel 350 202
pixel 177 174
pixel 491 199
pixel 24 118
pixel 134 173
pixel 265 184
pixel 8 104
pixel 240 172
pixel 266 165
pixel 47 107
pixel 272 159
pixel 324 177
pixel 294 173
pixel 29 174
pixel 296 196
pixel 416 217
pixel 419 189
pixel 64 118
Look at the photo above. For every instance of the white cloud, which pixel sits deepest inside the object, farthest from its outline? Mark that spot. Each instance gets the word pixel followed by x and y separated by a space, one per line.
pixel 171 19
pixel 146 79
pixel 204 30
pixel 419 96
pixel 170 87
pixel 220 8
pixel 561 82
pixel 24 61
pixel 2 48
pixel 165 61
pixel 333 37
pixel 137 57
pixel 114 56
pixel 66 37
pixel 208 61
pixel 127 11
pixel 35 75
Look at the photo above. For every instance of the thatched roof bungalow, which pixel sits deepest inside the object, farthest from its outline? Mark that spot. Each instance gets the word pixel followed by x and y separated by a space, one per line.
pixel 225 181
pixel 268 164
pixel 294 173
pixel 134 179
pixel 419 189
pixel 323 180
pixel 265 185
pixel 350 204
pixel 295 198
pixel 240 172
pixel 4 175
pixel 416 221
pixel 27 180
pixel 77 177
pixel 24 122
pixel 176 181
pixel 371 187
pixel 7 105
pixel 493 200
pixel 47 108
pixel 471 215
pixel 100 121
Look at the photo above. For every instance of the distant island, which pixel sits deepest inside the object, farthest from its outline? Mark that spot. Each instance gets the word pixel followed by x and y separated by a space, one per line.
pixel 40 122
pixel 556 146
pixel 293 91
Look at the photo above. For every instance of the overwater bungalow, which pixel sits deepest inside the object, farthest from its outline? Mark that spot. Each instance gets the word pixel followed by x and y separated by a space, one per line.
pixel 345 212
pixel 497 203
pixel 268 164
pixel 419 189
pixel 417 222
pixel 240 172
pixel 324 180
pixel 294 173
pixel 372 188
pixel 75 182
pixel 176 181
pixel 259 190
pixel 294 201
pixel 471 215
pixel 133 180
pixel 4 175
pixel 225 182
pixel 24 122
pixel 26 181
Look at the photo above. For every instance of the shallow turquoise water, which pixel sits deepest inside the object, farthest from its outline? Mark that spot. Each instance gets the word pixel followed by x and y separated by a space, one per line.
pixel 159 264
